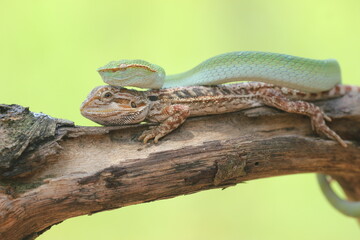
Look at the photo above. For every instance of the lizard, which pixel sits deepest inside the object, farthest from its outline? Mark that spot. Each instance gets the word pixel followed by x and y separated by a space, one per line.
pixel 114 105
pixel 289 82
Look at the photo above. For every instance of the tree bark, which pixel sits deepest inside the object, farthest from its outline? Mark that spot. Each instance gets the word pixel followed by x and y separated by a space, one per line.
pixel 51 170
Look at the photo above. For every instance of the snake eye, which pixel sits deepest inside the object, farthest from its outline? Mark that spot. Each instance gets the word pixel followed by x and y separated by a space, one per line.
pixel 133 105
pixel 122 67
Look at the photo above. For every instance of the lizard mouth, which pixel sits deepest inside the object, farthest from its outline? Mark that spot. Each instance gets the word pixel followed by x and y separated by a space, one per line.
pixel 111 117
pixel 106 111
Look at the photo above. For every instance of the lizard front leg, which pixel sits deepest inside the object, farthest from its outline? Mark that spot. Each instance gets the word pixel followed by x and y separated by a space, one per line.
pixel 273 97
pixel 173 116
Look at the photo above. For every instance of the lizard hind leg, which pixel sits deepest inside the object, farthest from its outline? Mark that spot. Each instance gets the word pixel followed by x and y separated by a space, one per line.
pixel 174 116
pixel 274 97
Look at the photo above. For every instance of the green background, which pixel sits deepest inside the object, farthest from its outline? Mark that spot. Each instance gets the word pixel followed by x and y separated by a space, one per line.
pixel 49 51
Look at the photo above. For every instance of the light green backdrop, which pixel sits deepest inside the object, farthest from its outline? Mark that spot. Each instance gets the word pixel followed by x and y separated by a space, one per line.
pixel 49 51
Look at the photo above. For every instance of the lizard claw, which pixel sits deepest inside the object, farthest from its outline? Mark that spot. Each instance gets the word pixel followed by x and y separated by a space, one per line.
pixel 321 128
pixel 327 118
pixel 153 133
pixel 146 139
pixel 176 115
pixel 146 136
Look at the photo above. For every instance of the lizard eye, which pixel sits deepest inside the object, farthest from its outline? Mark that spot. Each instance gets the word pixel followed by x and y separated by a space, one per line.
pixel 133 105
pixel 107 95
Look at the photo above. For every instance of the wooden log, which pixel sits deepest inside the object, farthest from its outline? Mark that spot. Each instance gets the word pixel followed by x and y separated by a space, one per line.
pixel 75 170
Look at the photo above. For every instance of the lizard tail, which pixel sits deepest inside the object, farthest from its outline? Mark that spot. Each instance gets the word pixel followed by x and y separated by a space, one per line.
pixel 340 90
pixel 336 91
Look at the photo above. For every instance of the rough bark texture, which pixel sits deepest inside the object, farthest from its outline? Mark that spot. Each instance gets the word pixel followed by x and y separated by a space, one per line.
pixel 56 172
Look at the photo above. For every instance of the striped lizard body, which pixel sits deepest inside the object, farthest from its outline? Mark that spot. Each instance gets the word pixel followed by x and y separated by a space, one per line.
pixel 112 105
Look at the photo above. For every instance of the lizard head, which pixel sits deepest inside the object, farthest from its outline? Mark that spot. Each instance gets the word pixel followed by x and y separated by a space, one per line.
pixel 109 105
pixel 136 73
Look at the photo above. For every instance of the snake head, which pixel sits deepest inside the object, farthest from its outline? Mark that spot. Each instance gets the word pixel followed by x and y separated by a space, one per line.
pixel 135 73
pixel 109 105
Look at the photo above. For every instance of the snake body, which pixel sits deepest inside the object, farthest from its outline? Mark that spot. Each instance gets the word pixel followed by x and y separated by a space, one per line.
pixel 299 73
pixel 351 209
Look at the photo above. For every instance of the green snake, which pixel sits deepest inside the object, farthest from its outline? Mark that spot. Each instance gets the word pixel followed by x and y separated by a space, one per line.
pixel 304 74
pixel 299 73
pixel 351 209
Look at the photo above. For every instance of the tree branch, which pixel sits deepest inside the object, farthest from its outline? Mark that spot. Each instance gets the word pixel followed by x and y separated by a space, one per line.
pixel 56 171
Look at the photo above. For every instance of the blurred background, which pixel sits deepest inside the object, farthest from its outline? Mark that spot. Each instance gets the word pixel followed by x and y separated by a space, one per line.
pixel 49 52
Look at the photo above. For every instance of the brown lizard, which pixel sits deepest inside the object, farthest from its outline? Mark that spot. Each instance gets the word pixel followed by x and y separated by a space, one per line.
pixel 110 105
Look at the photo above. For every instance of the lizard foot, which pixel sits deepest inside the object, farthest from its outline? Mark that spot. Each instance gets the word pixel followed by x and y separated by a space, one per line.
pixel 318 124
pixel 273 97
pixel 175 116
pixel 155 133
